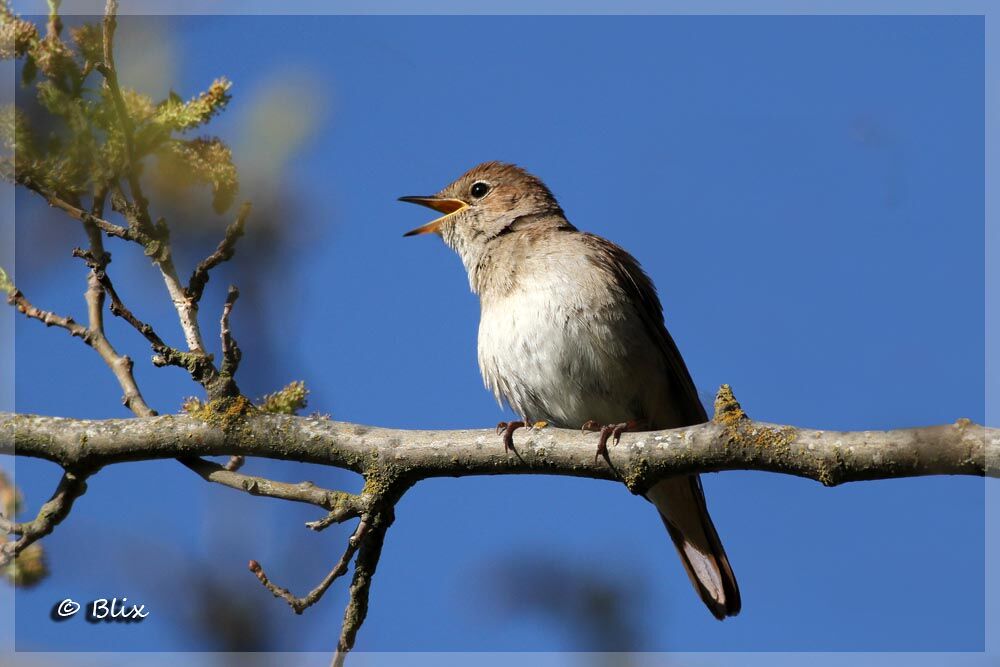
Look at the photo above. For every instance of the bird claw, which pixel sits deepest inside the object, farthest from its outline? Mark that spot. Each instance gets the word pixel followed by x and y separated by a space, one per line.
pixel 612 431
pixel 507 429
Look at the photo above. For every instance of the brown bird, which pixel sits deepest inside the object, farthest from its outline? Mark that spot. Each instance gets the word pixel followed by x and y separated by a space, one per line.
pixel 571 333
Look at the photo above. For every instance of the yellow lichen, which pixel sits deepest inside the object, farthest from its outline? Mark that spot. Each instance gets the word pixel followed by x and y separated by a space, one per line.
pixel 225 413
pixel 742 432
pixel 728 410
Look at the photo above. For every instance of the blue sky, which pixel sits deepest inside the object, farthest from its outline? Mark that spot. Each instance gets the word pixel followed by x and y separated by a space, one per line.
pixel 806 192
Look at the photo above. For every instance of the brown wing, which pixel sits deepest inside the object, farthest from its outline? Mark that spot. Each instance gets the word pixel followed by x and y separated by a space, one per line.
pixel 632 280
pixel 680 500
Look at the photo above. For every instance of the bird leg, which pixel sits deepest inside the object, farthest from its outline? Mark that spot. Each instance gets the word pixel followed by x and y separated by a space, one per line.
pixel 608 431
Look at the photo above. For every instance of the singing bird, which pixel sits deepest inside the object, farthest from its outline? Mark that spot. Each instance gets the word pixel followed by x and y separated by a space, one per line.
pixel 571 333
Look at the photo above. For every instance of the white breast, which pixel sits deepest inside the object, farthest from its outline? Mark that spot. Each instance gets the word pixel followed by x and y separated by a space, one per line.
pixel 559 349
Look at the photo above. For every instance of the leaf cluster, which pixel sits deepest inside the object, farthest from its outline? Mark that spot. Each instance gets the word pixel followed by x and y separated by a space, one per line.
pixel 68 138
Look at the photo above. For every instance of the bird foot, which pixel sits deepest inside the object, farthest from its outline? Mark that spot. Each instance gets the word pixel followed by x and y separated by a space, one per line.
pixel 613 431
pixel 508 428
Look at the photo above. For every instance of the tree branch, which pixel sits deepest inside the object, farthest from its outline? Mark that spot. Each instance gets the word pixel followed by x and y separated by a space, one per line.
pixel 231 353
pixel 731 441
pixel 17 299
pixel 223 252
pixel 98 259
pixel 341 506
pixel 392 460
pixel 78 213
pixel 138 212
pixel 72 485
pixel 364 569
pixel 300 604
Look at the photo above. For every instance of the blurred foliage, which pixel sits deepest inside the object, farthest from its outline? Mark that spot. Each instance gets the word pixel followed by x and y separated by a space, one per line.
pixel 597 607
pixel 79 146
pixel 29 568
pixel 5 284
pixel 64 136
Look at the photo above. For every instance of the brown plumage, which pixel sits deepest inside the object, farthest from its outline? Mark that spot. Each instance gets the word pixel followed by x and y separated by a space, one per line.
pixel 571 331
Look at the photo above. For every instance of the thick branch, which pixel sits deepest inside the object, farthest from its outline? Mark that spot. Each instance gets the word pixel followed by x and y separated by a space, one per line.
pixel 831 457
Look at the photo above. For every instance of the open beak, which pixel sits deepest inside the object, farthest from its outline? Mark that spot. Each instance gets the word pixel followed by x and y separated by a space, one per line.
pixel 439 204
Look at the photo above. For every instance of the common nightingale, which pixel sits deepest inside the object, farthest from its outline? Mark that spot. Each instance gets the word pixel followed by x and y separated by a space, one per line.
pixel 571 333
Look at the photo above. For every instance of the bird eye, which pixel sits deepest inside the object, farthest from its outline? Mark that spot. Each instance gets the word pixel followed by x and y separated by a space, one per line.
pixel 479 189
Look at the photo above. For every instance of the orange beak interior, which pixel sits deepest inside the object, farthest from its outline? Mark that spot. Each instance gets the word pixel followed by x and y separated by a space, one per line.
pixel 439 204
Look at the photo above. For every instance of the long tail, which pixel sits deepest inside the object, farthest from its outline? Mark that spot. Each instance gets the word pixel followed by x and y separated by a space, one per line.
pixel 681 503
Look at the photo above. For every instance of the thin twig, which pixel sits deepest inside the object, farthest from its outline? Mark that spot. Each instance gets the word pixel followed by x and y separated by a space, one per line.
pixel 231 353
pixel 342 506
pixel 110 73
pixel 223 253
pixel 17 299
pixel 78 213
pixel 300 604
pixel 138 213
pixel 72 485
pixel 121 365
pixel 198 364
pixel 119 309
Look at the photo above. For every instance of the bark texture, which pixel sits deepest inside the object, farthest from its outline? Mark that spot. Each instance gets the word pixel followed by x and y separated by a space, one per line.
pixel 731 441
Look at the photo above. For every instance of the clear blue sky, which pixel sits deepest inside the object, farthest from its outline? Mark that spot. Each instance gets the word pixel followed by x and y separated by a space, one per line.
pixel 807 193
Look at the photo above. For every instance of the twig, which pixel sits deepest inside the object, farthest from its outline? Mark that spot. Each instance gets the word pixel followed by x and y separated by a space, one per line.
pixel 121 365
pixel 72 485
pixel 342 506
pixel 231 353
pixel 78 213
pixel 138 214
pixel 119 309
pixel 364 569
pixel 300 604
pixel 17 299
pixel 223 253
pixel 110 73
pixel 198 364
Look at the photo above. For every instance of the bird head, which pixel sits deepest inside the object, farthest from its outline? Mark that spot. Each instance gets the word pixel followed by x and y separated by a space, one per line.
pixel 482 204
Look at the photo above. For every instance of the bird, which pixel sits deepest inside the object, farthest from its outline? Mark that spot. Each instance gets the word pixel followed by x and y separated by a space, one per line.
pixel 572 335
